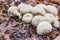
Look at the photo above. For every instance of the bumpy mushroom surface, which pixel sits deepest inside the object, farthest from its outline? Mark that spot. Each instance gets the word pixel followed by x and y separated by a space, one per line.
pixel 14 10
pixel 49 17
pixel 37 19
pixel 52 9
pixel 44 28
pixel 24 8
pixel 27 17
pixel 38 9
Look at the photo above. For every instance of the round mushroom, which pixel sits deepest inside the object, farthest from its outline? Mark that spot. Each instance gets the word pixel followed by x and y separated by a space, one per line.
pixel 51 9
pixel 27 17
pixel 44 28
pixel 24 8
pixel 50 18
pixel 13 10
pixel 37 19
pixel 38 10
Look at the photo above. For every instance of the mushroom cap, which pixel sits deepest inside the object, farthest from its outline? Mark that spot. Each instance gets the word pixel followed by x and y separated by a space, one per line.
pixel 52 9
pixel 50 18
pixel 37 19
pixel 13 9
pixel 44 28
pixel 27 17
pixel 24 8
pixel 38 9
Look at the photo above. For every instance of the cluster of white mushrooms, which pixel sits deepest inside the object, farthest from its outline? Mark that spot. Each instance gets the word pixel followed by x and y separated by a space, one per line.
pixel 41 16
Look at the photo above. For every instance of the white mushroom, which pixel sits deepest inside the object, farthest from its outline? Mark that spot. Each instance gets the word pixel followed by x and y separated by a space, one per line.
pixel 52 9
pixel 13 10
pixel 39 10
pixel 44 28
pixel 49 17
pixel 24 8
pixel 27 17
pixel 37 19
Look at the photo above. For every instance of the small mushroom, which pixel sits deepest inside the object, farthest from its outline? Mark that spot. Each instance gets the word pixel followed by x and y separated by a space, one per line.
pixel 44 28
pixel 38 9
pixel 51 9
pixel 27 17
pixel 24 8
pixel 14 10
pixel 37 19
pixel 50 18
